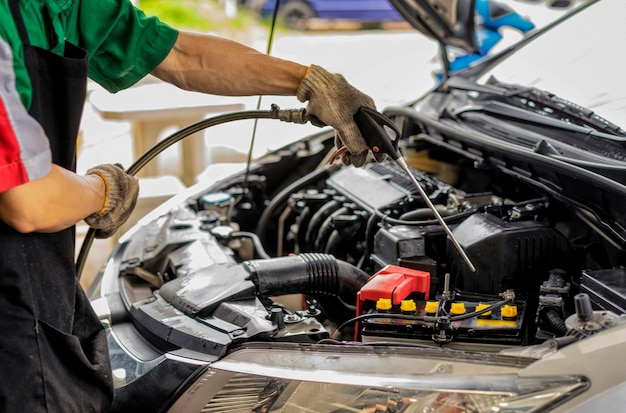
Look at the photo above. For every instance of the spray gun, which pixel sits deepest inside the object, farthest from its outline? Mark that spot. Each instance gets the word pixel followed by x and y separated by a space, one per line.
pixel 376 129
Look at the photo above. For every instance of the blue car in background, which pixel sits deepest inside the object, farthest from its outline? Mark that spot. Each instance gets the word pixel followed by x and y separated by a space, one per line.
pixel 296 14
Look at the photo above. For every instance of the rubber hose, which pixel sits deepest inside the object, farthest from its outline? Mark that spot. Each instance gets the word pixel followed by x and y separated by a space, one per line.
pixel 327 227
pixel 283 195
pixel 302 223
pixel 426 213
pixel 370 229
pixel 316 222
pixel 555 322
pixel 304 219
pixel 306 274
pixel 258 245
pixel 336 244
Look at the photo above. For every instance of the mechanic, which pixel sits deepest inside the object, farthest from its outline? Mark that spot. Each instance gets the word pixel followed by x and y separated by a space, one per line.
pixel 53 349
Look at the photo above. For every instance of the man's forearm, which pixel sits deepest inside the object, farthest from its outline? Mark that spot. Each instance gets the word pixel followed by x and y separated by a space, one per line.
pixel 219 66
pixel 52 203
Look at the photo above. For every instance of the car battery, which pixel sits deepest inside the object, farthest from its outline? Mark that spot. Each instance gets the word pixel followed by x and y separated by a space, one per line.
pixel 396 301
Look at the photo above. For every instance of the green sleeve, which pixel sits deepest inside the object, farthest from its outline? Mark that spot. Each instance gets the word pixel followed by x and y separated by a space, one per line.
pixel 123 44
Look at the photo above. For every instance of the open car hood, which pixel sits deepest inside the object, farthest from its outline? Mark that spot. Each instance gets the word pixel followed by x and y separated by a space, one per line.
pixel 450 22
pixel 295 285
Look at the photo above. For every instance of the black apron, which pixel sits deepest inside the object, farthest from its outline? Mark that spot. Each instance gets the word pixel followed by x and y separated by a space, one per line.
pixel 53 352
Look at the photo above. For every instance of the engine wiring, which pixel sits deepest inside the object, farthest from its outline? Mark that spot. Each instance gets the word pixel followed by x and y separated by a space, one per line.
pixel 256 241
pixel 450 218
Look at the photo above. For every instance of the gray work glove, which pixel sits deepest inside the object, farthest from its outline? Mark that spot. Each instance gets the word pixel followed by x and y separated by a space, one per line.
pixel 334 101
pixel 120 199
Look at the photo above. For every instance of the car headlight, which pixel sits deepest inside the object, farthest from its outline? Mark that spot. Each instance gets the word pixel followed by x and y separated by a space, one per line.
pixel 299 379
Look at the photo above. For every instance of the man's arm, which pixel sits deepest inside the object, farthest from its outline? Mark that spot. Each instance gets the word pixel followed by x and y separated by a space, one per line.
pixel 220 66
pixel 36 195
pixel 52 203
pixel 223 67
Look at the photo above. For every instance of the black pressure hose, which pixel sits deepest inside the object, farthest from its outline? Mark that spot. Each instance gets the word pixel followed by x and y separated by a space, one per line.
pixel 288 115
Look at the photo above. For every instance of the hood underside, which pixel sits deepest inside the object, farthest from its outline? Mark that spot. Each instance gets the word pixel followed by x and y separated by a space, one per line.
pixel 450 22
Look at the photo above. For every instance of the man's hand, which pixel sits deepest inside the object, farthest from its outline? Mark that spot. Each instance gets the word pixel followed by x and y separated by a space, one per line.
pixel 119 201
pixel 334 101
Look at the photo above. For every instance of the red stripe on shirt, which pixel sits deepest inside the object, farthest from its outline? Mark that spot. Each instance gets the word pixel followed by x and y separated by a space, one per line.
pixel 12 169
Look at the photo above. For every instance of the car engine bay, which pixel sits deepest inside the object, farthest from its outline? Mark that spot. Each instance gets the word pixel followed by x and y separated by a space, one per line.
pixel 336 254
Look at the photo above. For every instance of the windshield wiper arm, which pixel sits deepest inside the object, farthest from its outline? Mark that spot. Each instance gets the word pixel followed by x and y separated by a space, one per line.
pixel 569 148
pixel 503 109
pixel 461 83
pixel 541 102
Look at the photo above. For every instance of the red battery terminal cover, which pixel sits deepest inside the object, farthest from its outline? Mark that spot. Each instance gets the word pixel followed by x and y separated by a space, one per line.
pixel 395 283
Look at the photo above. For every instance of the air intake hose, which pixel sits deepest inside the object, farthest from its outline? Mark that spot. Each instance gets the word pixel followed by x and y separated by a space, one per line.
pixel 316 274
pixel 554 322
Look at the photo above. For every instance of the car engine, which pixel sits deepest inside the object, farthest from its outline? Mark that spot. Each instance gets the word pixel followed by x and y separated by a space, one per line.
pixel 333 253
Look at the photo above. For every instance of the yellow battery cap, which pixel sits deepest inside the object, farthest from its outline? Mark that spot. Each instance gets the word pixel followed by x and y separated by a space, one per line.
pixel 383 304
pixel 509 311
pixel 482 306
pixel 431 307
pixel 457 308
pixel 408 306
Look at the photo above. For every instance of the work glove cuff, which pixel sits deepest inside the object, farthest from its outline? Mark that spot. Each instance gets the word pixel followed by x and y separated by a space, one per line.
pixel 314 78
pixel 121 192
